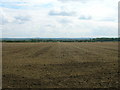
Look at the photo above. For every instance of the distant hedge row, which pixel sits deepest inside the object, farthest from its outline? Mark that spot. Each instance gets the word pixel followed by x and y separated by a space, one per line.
pixel 65 40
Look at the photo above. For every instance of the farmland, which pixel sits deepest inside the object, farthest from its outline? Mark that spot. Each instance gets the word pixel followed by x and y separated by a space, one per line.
pixel 60 65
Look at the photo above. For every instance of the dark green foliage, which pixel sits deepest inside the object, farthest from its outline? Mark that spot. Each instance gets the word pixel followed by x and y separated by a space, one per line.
pixel 64 40
pixel 106 39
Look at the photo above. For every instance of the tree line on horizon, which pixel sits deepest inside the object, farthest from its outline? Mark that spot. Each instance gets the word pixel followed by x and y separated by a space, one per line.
pixel 64 40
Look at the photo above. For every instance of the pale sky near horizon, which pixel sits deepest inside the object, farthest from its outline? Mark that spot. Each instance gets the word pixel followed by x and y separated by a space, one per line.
pixel 58 18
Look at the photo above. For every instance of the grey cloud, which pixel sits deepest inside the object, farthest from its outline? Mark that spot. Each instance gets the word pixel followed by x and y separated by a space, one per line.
pixel 65 1
pixel 85 17
pixel 50 25
pixel 62 13
pixel 109 19
pixel 3 21
pixel 105 31
pixel 16 19
pixel 64 21
pixel 22 19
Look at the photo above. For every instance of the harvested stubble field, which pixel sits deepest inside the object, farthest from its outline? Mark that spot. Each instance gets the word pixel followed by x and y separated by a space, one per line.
pixel 60 65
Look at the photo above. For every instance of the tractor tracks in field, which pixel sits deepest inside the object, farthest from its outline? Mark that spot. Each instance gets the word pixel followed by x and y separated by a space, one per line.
pixel 105 47
pixel 102 50
pixel 84 53
pixel 90 53
pixel 40 52
pixel 49 51
pixel 16 52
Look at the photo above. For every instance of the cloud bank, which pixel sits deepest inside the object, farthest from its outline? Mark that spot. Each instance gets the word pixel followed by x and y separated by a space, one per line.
pixel 59 18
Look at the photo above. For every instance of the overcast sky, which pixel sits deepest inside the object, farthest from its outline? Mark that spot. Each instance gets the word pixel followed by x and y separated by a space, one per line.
pixel 59 18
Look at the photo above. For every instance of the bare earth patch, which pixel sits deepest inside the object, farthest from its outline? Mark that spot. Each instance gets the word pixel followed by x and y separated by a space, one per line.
pixel 60 65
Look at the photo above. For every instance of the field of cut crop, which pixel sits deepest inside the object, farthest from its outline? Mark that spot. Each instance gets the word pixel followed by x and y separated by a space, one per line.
pixel 60 65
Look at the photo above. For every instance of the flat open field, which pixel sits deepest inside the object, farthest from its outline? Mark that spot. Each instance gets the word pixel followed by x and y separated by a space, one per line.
pixel 60 65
